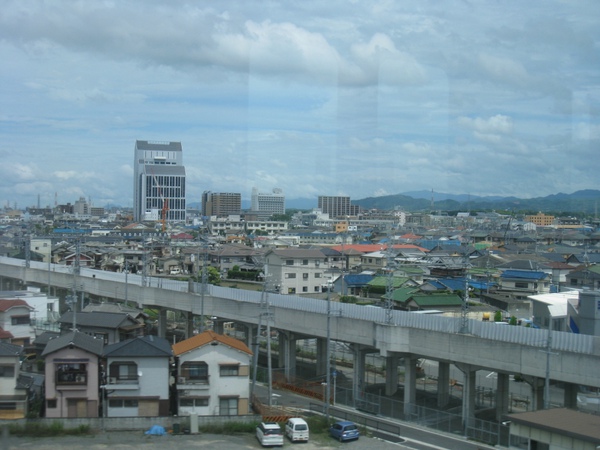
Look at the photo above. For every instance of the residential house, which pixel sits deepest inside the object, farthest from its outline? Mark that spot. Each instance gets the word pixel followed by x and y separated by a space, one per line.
pixel 15 318
pixel 296 270
pixel 555 428
pixel 13 396
pixel 137 377
pixel 522 283
pixel 584 277
pixel 213 372
pixel 73 375
pixel 110 327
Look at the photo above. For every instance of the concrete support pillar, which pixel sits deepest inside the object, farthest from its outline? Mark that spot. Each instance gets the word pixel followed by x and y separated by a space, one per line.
pixel 219 326
pixel 443 385
pixel 189 324
pixel 570 398
pixel 162 323
pixel 287 354
pixel 391 373
pixel 358 382
pixel 321 357
pixel 502 395
pixel 410 383
pixel 250 333
pixel 537 393
pixel 469 391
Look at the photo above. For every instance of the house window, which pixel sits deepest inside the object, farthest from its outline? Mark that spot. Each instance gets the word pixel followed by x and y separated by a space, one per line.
pixel 228 406
pixel 194 371
pixel 521 285
pixel 289 262
pixel 304 288
pixel 229 370
pixel 290 275
pixel 71 373
pixel 291 290
pixel 193 402
pixel 305 262
pixel 123 371
pixel 305 276
pixel 7 371
pixel 20 320
pixel 51 404
pixel 123 403
pixel 318 275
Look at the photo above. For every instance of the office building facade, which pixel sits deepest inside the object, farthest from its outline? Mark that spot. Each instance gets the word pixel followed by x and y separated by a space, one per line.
pixel 264 205
pixel 337 206
pixel 159 182
pixel 221 204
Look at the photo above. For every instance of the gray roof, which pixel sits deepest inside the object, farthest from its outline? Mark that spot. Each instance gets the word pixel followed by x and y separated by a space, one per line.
pixel 167 146
pixel 298 253
pixel 145 346
pixel 7 349
pixel 80 340
pixel 99 319
pixel 565 422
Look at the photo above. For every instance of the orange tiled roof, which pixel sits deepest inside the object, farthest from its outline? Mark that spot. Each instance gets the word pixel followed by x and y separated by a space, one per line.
pixel 6 304
pixel 206 338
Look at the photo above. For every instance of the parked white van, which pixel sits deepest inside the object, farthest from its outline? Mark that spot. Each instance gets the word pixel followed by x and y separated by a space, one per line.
pixel 296 430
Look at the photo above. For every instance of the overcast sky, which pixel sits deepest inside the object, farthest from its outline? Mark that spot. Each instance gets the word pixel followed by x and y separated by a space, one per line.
pixel 358 98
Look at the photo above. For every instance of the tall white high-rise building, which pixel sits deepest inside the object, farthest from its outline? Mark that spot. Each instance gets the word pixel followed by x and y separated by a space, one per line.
pixel 266 204
pixel 159 181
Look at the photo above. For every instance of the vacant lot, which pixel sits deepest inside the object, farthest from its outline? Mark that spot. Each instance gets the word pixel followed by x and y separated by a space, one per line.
pixel 135 440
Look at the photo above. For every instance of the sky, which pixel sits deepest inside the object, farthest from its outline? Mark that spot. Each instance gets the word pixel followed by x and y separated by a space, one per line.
pixel 353 98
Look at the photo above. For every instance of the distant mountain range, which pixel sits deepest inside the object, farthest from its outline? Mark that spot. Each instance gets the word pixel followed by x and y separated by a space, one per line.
pixel 585 201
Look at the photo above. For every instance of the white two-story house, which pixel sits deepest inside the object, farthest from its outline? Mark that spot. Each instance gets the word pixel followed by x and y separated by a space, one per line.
pixel 213 373
pixel 296 270
pixel 137 377
pixel 13 397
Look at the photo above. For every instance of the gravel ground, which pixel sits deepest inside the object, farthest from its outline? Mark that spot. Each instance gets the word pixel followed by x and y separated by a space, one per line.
pixel 135 440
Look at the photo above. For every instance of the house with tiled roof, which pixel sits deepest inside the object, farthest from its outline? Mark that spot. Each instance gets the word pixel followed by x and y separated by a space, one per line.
pixel 72 369
pixel 109 326
pixel 213 373
pixel 137 374
pixel 15 318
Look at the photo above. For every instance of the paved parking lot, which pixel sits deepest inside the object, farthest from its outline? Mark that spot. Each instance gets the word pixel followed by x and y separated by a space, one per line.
pixel 135 440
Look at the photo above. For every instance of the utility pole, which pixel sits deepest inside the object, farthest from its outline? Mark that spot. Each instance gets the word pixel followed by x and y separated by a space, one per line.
pixel 464 313
pixel 389 290
pixel 328 350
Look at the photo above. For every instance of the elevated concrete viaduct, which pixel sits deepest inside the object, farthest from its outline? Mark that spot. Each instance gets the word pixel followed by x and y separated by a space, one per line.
pixel 575 359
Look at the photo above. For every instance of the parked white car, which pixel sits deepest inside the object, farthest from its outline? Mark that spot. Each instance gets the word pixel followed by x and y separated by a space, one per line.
pixel 269 434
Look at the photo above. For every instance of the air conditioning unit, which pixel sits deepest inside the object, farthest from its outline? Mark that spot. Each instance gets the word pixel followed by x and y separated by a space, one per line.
pixel 181 380
pixel 112 380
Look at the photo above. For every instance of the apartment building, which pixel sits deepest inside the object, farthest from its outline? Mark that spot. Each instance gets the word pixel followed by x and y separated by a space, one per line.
pixel 221 204
pixel 296 271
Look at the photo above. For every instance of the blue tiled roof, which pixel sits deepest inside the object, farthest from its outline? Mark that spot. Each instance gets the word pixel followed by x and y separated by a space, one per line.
pixel 525 274
pixel 358 279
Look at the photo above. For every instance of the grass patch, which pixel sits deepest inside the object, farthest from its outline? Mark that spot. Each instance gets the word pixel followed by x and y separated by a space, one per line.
pixel 229 428
pixel 35 429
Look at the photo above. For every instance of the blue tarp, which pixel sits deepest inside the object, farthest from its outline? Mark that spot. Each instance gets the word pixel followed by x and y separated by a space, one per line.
pixel 156 430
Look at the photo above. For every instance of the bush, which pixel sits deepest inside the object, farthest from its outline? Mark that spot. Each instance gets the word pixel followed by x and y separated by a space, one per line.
pixel 38 429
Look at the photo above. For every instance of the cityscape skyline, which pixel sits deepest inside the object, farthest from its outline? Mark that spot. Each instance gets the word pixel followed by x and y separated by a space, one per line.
pixel 337 99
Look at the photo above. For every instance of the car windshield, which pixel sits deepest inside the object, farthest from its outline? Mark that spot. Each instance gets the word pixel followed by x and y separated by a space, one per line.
pixel 350 427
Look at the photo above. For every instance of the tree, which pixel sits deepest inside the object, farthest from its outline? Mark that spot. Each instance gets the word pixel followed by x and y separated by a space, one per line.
pixel 498 316
pixel 513 320
pixel 213 276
